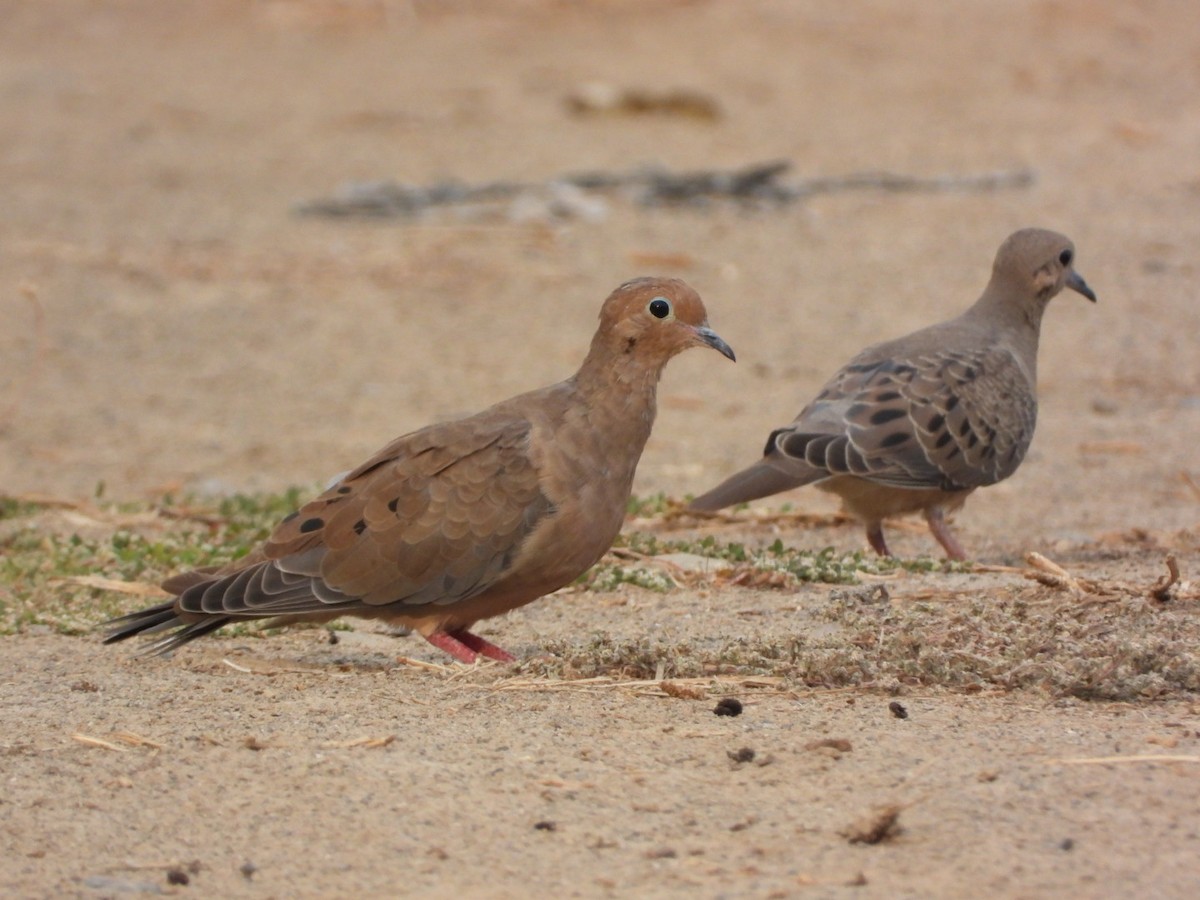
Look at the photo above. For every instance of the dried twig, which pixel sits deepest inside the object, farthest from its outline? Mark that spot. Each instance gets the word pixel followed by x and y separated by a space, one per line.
pixel 650 185
pixel 1161 589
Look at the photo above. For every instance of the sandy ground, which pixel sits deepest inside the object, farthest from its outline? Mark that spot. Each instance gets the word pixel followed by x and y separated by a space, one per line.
pixel 170 324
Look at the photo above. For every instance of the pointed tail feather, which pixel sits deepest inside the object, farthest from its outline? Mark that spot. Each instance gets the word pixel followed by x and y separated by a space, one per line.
pixel 154 618
pixel 160 618
pixel 759 480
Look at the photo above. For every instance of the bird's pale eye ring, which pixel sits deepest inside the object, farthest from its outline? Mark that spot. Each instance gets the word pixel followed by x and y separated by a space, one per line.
pixel 1065 257
pixel 660 308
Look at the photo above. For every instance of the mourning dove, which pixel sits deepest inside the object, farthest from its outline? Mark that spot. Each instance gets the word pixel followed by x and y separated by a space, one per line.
pixel 467 519
pixel 918 423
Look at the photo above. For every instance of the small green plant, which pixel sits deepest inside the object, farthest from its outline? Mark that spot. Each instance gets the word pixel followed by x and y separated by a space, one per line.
pixel 42 555
pixel 609 577
pixel 826 566
pixel 648 507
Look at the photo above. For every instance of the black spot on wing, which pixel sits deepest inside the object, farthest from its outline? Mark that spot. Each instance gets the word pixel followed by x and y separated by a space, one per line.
pixel 312 524
pixel 883 416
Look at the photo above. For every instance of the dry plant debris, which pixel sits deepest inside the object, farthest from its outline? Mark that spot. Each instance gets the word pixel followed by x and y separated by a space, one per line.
pixel 840 745
pixel 598 98
pixel 582 194
pixel 683 691
pixel 877 826
pixel 1161 589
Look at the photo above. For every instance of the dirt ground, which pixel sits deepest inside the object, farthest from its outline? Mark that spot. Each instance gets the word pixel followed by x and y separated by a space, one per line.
pixel 170 324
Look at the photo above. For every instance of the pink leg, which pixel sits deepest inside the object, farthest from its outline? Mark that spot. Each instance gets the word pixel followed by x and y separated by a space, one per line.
pixel 875 538
pixel 464 646
pixel 940 530
pixel 451 645
pixel 482 647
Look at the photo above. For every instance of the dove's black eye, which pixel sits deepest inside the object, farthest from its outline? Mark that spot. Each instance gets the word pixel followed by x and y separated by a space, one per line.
pixel 1065 257
pixel 660 307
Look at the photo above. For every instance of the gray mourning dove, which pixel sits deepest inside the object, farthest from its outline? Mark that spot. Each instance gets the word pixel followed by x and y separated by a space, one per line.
pixel 467 519
pixel 918 423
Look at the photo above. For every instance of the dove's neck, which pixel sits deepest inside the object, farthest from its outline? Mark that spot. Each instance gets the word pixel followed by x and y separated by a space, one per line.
pixel 1015 323
pixel 620 390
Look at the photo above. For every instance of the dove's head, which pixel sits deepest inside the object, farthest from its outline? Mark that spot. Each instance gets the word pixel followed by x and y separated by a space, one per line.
pixel 1037 264
pixel 648 320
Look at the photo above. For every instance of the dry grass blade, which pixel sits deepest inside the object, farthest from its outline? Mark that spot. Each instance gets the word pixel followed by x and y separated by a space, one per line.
pixel 258 667
pixel 368 742
pixel 92 741
pixel 1138 758
pixel 136 588
pixel 136 740
pixel 427 666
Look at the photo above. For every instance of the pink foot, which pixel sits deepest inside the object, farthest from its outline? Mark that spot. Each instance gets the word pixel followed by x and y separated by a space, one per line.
pixel 465 647
pixel 875 539
pixel 482 647
pixel 941 530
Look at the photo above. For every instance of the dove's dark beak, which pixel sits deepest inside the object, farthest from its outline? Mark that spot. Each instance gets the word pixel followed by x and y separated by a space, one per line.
pixel 709 337
pixel 1076 283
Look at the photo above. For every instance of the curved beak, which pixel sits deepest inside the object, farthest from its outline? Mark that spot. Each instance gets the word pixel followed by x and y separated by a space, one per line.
pixel 1076 283
pixel 710 338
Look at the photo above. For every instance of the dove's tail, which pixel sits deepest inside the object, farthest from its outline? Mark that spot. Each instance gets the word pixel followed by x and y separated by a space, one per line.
pixel 759 480
pixel 165 617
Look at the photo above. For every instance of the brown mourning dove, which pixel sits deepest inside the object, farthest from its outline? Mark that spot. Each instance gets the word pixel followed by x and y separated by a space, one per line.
pixel 468 519
pixel 917 423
